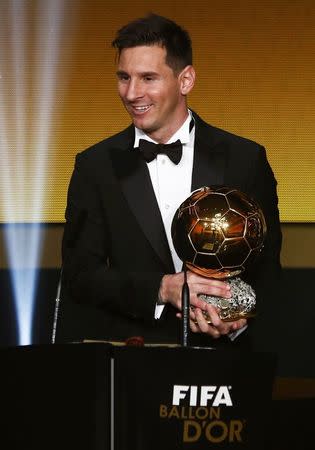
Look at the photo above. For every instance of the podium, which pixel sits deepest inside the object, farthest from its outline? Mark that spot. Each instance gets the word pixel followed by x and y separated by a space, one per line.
pixel 96 396
pixel 55 397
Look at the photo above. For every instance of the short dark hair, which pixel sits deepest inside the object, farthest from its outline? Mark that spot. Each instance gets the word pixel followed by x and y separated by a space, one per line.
pixel 157 30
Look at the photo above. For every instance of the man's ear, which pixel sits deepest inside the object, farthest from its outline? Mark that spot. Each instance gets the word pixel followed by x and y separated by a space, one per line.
pixel 187 79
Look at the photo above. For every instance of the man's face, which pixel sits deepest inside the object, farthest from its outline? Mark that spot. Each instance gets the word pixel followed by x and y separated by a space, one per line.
pixel 152 93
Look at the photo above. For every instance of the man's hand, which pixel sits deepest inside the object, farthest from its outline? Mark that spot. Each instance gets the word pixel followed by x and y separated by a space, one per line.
pixel 170 292
pixel 217 328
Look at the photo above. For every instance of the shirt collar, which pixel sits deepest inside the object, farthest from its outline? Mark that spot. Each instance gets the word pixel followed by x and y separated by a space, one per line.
pixel 182 133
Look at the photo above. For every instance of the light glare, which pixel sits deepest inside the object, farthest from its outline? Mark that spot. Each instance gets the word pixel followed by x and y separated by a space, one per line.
pixel 23 242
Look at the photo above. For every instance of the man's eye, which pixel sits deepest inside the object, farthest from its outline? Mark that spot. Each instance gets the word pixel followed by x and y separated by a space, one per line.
pixel 148 78
pixel 123 77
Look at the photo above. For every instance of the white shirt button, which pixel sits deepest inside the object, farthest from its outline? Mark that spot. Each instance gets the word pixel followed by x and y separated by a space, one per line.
pixel 167 206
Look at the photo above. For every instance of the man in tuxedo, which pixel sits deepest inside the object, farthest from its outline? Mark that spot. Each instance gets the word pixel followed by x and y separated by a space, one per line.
pixel 117 249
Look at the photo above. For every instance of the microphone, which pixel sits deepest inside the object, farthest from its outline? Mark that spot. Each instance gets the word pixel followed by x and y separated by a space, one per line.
pixel 185 311
pixel 68 242
pixel 56 310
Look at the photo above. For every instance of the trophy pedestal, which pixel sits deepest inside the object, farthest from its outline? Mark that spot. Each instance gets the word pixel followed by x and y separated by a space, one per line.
pixel 240 305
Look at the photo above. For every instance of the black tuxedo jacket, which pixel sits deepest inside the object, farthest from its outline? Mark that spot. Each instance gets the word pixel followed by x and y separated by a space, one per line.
pixel 115 250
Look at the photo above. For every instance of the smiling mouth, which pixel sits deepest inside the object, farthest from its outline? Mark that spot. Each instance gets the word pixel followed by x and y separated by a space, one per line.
pixel 141 109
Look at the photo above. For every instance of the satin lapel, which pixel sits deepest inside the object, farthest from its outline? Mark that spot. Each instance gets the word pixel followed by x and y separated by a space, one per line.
pixel 210 157
pixel 134 178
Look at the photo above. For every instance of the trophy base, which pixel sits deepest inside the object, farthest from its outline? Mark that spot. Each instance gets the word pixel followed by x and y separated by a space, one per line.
pixel 240 306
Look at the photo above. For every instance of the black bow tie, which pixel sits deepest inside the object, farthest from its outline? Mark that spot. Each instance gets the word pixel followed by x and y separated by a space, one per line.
pixel 149 150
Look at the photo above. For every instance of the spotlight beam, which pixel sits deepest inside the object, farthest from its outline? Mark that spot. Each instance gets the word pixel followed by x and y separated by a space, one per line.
pixel 23 241
pixel 18 39
pixel 50 17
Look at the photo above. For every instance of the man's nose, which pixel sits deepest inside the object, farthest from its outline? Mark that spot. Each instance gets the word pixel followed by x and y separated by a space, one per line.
pixel 134 90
